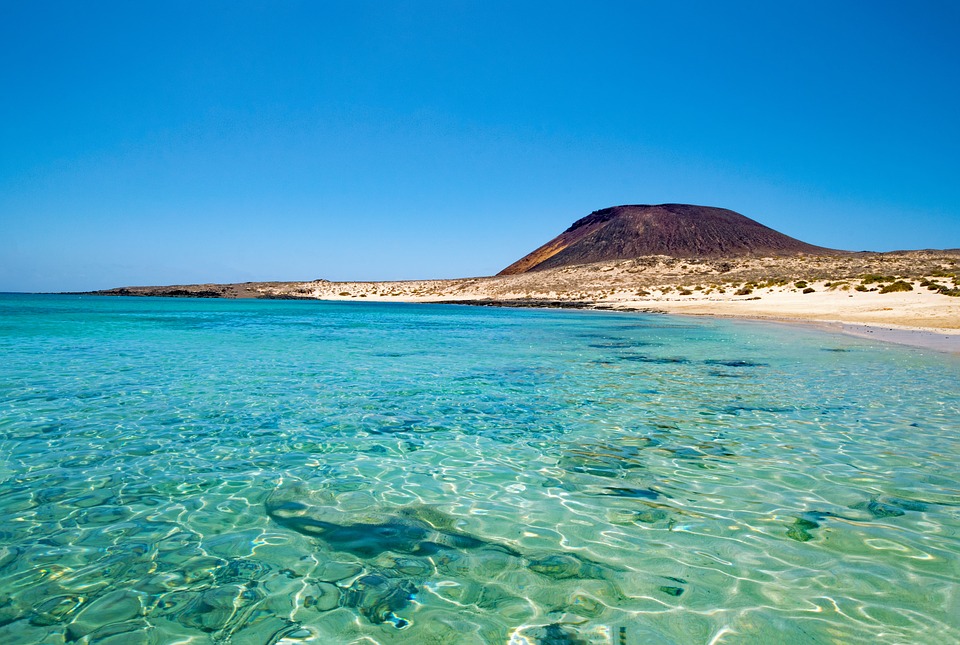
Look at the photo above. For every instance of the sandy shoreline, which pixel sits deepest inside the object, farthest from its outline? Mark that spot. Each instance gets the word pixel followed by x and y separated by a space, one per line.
pixel 936 339
pixel 910 297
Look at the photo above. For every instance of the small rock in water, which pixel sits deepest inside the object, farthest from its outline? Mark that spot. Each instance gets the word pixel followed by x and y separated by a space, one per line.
pixel 647 516
pixel 564 566
pixel 333 571
pixel 800 530
pixel 378 598
pixel 411 567
pixel 878 509
pixel 325 597
pixel 671 591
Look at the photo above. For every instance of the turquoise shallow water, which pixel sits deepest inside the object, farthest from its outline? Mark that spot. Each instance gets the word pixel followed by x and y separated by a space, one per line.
pixel 204 471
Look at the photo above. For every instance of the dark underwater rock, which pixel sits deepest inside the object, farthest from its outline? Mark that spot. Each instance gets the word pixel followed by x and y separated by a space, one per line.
pixel 378 598
pixel 734 363
pixel 623 344
pixel 809 521
pixel 240 571
pixel 645 516
pixel 800 530
pixel 635 493
pixel 405 532
pixel 324 596
pixel 908 504
pixel 878 509
pixel 655 360
pixel 564 566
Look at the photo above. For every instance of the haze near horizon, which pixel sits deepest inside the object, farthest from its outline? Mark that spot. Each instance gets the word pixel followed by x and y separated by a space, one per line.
pixel 229 142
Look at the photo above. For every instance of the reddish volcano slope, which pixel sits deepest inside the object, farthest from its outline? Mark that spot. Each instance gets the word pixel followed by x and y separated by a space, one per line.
pixel 677 230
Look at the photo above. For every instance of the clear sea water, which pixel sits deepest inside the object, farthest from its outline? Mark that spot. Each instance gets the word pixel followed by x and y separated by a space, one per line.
pixel 210 471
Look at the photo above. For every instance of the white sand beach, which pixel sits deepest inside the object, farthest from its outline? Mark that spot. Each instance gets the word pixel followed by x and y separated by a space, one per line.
pixel 855 294
pixel 844 304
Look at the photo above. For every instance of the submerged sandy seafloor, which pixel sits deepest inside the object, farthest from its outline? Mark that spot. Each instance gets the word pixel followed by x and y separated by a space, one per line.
pixel 246 471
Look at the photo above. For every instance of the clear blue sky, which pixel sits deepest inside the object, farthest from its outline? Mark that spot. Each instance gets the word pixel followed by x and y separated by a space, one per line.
pixel 170 142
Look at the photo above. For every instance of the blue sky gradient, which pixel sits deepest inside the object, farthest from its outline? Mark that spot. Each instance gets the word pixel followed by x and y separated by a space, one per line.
pixel 159 143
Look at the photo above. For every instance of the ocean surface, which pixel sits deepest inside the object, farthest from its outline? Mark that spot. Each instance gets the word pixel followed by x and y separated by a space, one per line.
pixel 250 472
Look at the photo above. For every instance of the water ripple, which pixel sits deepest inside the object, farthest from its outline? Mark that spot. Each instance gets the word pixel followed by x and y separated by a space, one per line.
pixel 294 472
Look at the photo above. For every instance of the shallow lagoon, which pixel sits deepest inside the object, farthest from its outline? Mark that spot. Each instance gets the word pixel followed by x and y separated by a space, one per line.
pixel 204 471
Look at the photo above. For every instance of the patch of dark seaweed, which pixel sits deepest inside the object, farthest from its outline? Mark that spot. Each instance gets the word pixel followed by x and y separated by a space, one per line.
pixel 634 493
pixel 623 344
pixel 800 529
pixel 876 508
pixel 879 509
pixel 645 516
pixel 734 363
pixel 395 534
pixel 656 360
pixel 567 566
pixel 737 409
pixel 911 504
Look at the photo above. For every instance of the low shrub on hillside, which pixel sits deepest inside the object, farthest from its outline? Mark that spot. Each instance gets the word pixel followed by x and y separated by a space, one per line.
pixel 871 278
pixel 899 285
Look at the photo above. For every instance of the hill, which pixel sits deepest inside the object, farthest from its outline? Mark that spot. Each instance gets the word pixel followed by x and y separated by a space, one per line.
pixel 675 230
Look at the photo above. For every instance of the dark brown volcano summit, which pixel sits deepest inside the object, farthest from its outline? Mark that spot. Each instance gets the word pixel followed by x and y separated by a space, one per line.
pixel 677 230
